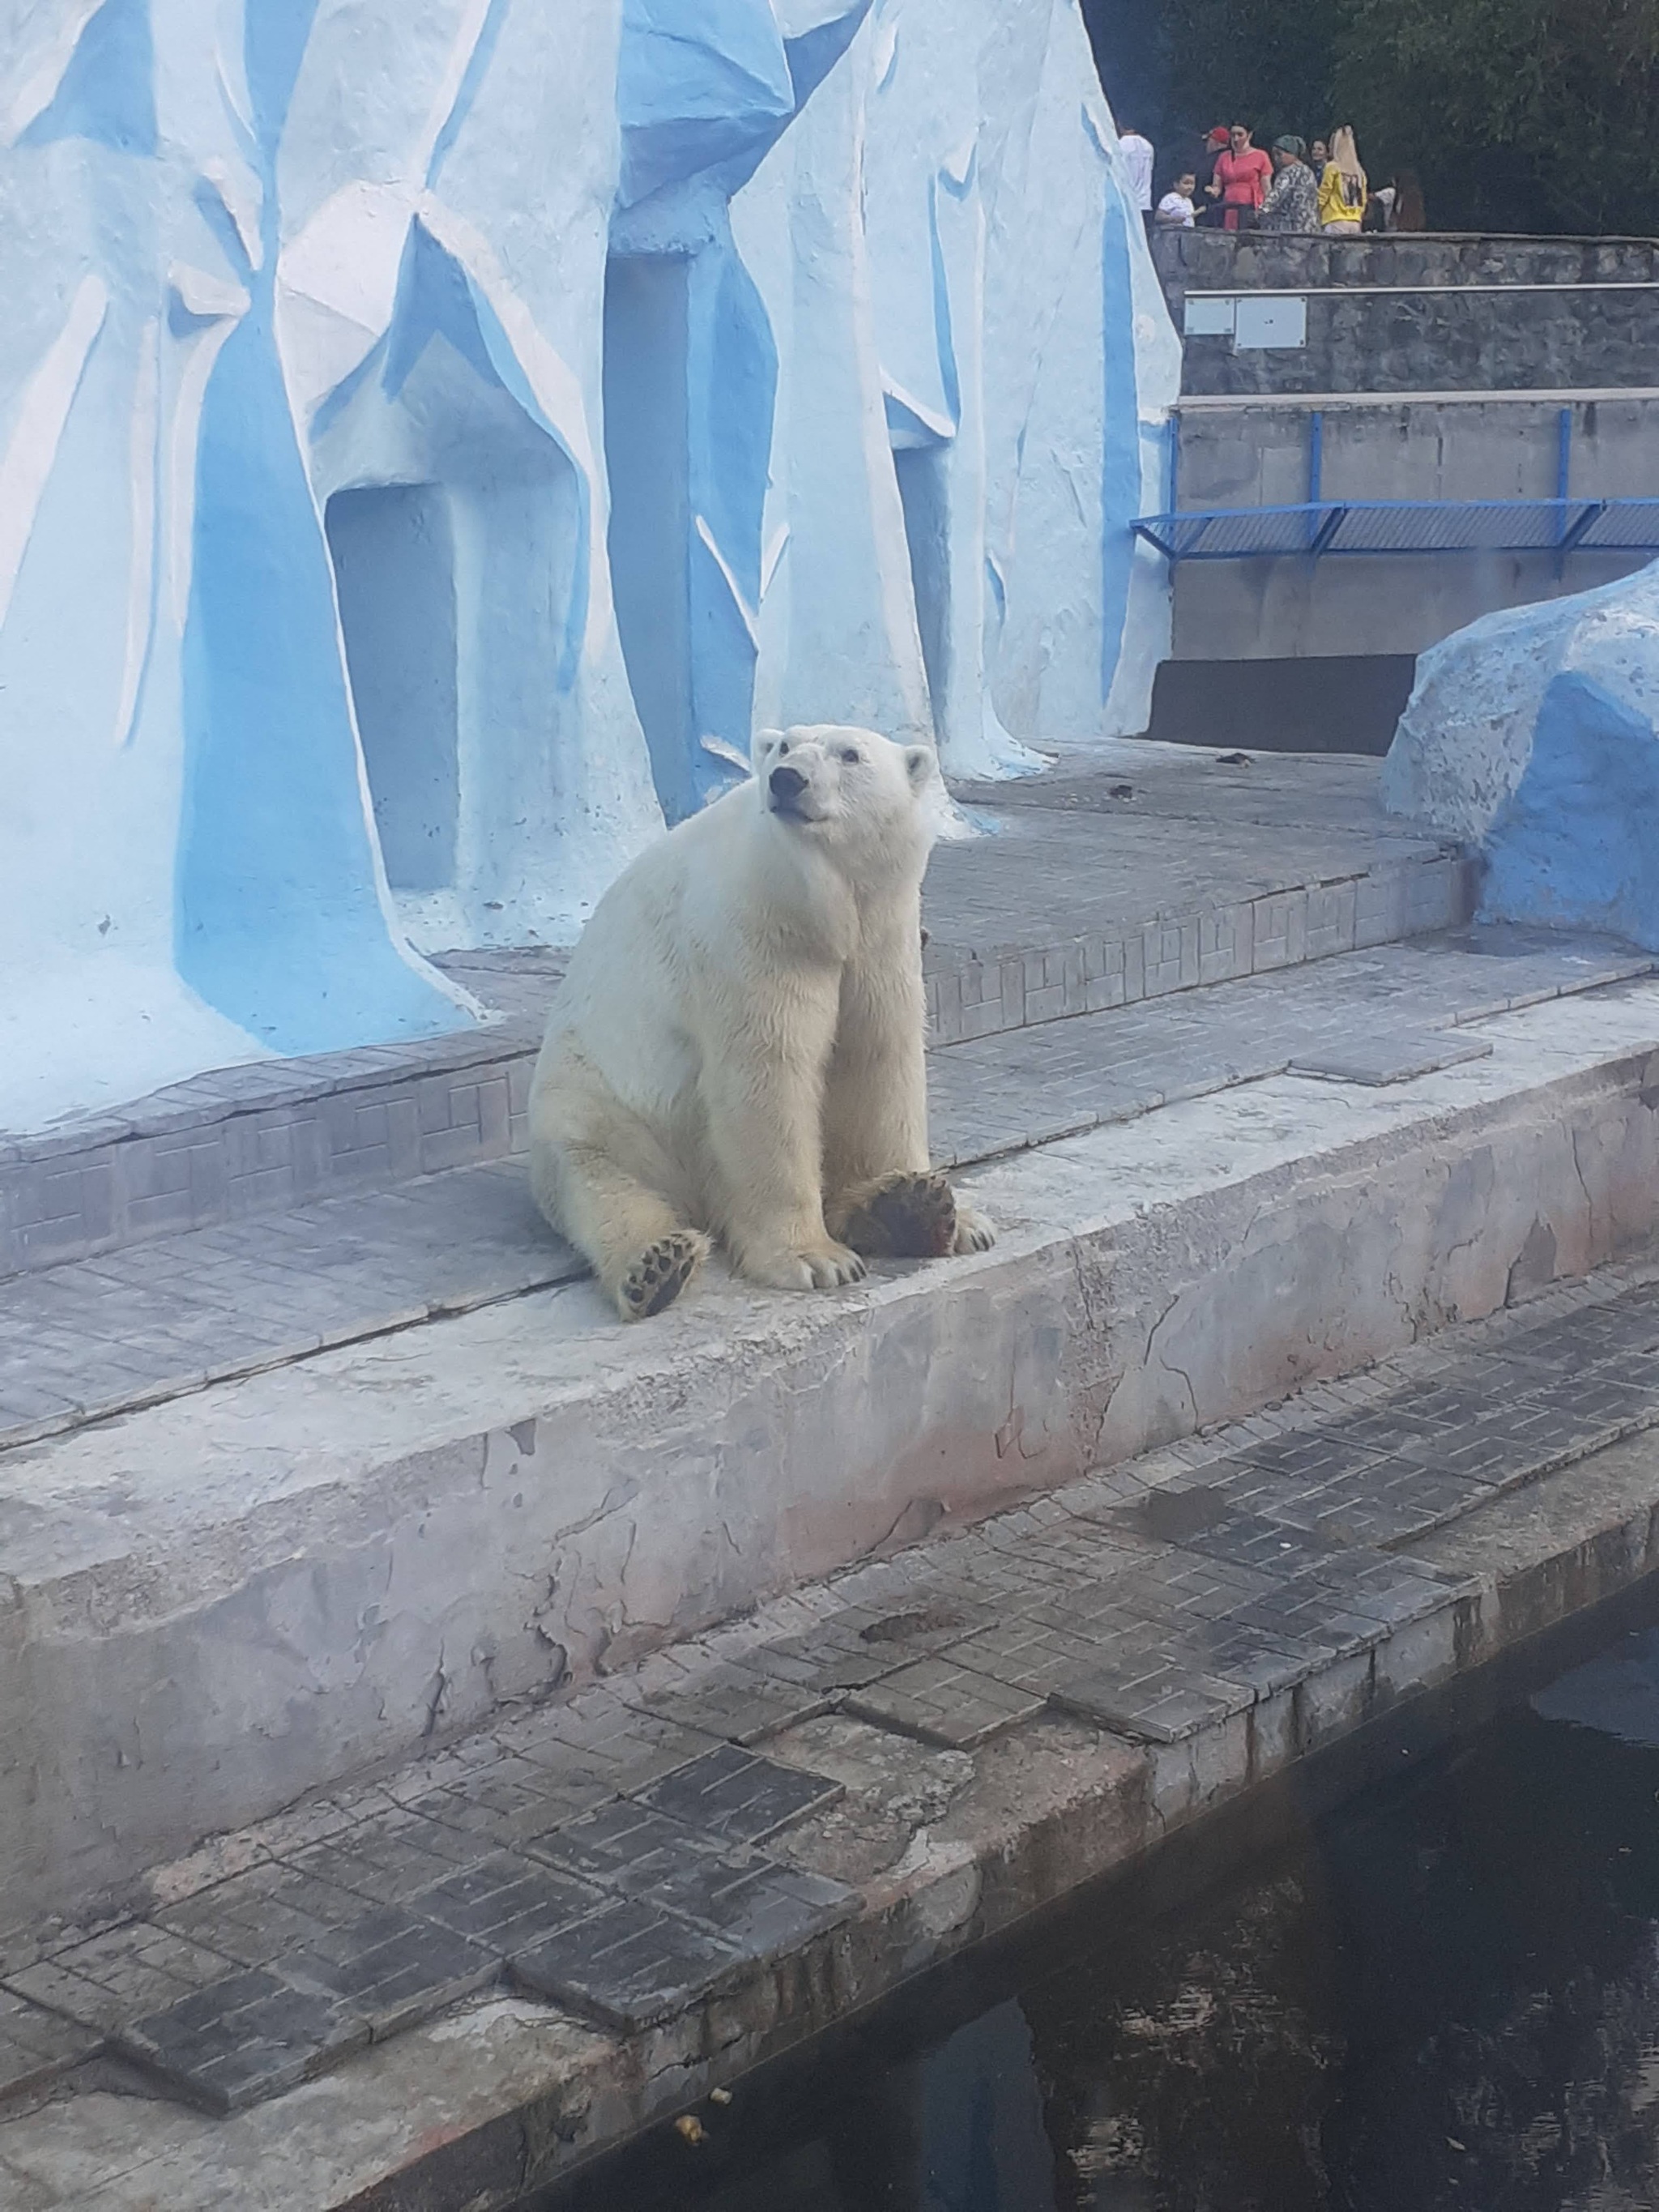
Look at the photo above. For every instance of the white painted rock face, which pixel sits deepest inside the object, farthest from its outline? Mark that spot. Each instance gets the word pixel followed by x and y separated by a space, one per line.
pixel 433 434
pixel 1534 735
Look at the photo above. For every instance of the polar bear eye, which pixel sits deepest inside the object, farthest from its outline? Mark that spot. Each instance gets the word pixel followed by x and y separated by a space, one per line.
pixel 851 755
pixel 783 747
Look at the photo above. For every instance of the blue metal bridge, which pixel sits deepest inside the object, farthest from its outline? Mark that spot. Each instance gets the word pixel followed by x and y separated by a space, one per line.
pixel 1317 528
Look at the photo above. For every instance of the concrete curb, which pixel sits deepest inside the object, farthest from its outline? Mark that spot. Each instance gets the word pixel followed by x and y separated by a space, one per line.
pixel 218 1604
pixel 491 2101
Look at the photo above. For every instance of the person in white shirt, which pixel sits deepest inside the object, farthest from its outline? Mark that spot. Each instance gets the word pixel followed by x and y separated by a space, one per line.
pixel 1174 209
pixel 1137 154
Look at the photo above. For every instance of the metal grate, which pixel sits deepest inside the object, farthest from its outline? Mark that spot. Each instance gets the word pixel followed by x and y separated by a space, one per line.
pixel 1318 527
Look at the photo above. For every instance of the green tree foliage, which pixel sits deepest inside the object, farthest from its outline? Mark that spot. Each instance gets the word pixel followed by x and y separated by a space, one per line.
pixel 1517 114
pixel 1539 115
pixel 1266 63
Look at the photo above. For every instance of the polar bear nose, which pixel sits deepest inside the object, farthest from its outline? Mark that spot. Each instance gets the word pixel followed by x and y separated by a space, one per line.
pixel 786 783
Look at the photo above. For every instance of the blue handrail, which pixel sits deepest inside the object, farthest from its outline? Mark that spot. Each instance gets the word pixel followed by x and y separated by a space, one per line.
pixel 1317 529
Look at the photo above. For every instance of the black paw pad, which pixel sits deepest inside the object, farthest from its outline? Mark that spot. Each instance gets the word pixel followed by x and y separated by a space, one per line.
pixel 660 1275
pixel 910 1217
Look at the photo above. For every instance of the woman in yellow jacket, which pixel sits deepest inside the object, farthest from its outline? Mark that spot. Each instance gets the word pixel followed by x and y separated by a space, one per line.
pixel 1342 188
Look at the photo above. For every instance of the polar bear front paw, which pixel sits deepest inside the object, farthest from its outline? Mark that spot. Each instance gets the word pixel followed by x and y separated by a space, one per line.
pixel 823 1266
pixel 974 1233
pixel 909 1215
pixel 660 1273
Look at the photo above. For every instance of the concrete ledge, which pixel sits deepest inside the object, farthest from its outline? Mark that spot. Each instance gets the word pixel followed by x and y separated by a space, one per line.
pixel 944 1851
pixel 1219 260
pixel 216 1605
pixel 1210 403
pixel 1131 910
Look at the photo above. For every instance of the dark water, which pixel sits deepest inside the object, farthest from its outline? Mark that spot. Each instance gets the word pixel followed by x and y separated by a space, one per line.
pixel 1446 1994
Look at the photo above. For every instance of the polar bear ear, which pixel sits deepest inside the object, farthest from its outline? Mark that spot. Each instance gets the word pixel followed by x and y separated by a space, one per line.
pixel 918 765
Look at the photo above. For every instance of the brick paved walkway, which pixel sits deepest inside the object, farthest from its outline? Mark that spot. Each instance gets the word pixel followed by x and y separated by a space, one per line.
pixel 152 1321
pixel 1081 899
pixel 664 1837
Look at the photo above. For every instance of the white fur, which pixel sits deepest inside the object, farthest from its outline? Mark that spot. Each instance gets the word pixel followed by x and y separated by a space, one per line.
pixel 739 1044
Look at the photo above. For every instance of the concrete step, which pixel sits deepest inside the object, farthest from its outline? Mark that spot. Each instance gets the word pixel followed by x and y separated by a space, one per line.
pixel 457 1985
pixel 90 1339
pixel 217 1602
pixel 1077 898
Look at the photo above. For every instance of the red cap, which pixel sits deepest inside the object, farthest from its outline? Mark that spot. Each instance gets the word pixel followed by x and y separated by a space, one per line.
pixel 1219 137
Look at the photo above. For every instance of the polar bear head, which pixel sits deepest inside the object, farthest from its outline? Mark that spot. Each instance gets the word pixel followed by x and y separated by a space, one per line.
pixel 852 792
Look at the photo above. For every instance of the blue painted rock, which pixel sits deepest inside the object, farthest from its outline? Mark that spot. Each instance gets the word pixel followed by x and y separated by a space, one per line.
pixel 1534 735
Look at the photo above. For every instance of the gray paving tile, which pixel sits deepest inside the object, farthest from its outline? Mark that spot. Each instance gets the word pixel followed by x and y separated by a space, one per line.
pixel 1390 1590
pixel 1182 1586
pixel 1032 1651
pixel 765 1911
pixel 820 1666
pixel 733 1797
pixel 1381 1430
pixel 628 1965
pixel 36 2045
pixel 1398 1056
pixel 1307 1457
pixel 1250 1538
pixel 1600 1399
pixel 859 1644
pixel 259 1916
pixel 598 1746
pixel 390 1858
pixel 118 1977
pixel 161 1318
pixel 1158 1706
pixel 507 1805
pixel 394 1969
pixel 745 1897
pixel 505 1903
pixel 939 1700
pixel 624 1845
pixel 248 2036
pixel 739 1704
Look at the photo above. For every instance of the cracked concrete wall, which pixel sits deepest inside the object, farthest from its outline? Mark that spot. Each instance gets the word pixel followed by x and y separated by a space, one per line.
pixel 324 1566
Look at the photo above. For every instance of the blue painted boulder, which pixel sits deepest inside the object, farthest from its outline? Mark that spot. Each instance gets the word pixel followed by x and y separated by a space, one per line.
pixel 1534 735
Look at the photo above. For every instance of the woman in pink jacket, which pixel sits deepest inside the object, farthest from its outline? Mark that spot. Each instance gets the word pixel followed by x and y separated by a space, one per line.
pixel 1241 177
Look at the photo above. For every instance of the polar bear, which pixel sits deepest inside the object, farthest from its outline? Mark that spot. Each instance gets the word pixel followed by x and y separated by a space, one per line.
pixel 736 1052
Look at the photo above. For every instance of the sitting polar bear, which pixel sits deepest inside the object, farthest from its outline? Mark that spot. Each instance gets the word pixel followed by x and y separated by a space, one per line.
pixel 737 1050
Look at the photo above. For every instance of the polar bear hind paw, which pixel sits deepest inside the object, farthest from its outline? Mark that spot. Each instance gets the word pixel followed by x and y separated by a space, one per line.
pixel 660 1273
pixel 974 1233
pixel 908 1216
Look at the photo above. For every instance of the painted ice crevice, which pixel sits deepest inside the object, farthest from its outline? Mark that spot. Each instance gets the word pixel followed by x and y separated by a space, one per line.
pixel 416 484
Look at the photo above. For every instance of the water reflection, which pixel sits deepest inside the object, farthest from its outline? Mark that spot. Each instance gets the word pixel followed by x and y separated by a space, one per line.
pixel 1446 1996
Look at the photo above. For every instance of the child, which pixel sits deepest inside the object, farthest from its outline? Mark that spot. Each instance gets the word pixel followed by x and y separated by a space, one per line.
pixel 1174 209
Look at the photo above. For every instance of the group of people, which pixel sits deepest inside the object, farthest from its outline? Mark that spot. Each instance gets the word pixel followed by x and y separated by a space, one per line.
pixel 1236 185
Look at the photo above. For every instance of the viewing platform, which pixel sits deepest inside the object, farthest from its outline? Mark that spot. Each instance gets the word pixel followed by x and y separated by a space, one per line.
pixel 1379 440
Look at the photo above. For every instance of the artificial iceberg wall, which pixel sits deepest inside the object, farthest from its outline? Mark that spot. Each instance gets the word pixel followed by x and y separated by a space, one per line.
pixel 433 433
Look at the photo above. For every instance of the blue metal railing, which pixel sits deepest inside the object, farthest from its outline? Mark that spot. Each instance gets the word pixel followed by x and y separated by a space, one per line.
pixel 1317 526
pixel 1322 527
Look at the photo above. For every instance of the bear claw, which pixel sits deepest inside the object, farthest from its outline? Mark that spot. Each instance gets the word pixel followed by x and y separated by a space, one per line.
pixel 974 1233
pixel 660 1275
pixel 805 1267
